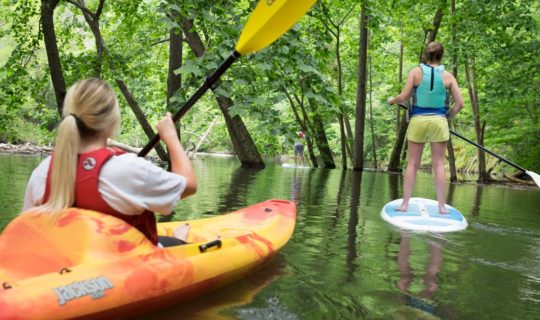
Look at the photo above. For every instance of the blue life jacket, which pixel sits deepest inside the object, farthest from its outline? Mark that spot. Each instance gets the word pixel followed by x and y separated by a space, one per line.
pixel 430 97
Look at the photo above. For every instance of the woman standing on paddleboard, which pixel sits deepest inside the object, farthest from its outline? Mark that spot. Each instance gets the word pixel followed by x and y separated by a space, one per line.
pixel 429 85
pixel 83 172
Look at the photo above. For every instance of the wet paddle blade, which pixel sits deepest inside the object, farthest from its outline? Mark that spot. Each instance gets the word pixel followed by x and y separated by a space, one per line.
pixel 535 176
pixel 269 20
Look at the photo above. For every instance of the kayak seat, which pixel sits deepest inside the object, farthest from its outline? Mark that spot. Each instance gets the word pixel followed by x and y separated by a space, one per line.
pixel 93 237
pixel 167 241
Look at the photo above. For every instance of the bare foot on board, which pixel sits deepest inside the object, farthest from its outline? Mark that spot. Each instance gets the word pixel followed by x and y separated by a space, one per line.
pixel 402 208
pixel 442 210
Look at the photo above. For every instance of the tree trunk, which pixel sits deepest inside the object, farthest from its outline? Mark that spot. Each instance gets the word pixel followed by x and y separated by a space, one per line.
pixel 342 114
pixel 450 146
pixel 343 142
pixel 174 81
pixel 243 144
pixel 400 80
pixel 470 74
pixel 451 158
pixel 162 154
pixel 93 22
pixel 371 124
pixel 394 164
pixel 303 123
pixel 358 157
pixel 92 19
pixel 51 47
pixel 334 28
pixel 320 137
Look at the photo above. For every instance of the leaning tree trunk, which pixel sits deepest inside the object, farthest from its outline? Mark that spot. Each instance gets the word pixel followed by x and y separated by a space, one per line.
pixel 394 163
pixel 51 47
pixel 358 153
pixel 319 135
pixel 471 82
pixel 243 144
pixel 92 19
pixel 174 81
pixel 304 124
pixel 334 28
pixel 139 114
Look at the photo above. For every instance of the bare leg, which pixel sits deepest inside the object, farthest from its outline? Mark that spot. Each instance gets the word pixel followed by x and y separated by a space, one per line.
pixel 438 150
pixel 414 156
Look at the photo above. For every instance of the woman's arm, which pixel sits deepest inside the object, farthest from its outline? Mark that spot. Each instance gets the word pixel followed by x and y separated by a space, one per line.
pixel 180 163
pixel 458 99
pixel 407 89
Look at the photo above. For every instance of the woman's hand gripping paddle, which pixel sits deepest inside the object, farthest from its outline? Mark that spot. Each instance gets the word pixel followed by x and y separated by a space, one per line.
pixel 533 175
pixel 269 20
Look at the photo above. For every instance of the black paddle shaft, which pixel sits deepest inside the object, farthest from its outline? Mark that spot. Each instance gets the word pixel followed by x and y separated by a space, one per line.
pixel 208 83
pixel 482 148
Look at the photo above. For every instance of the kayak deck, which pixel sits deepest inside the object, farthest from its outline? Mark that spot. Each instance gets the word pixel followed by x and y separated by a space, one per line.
pixel 88 264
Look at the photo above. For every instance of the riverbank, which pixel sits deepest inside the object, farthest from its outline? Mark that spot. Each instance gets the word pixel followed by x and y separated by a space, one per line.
pixel 31 149
pixel 26 148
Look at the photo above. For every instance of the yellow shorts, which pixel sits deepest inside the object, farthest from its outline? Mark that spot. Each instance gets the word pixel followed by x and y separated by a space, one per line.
pixel 424 129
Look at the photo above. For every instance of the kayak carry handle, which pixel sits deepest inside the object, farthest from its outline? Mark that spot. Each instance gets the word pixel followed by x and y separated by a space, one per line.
pixel 208 245
pixel 64 271
pixel 6 286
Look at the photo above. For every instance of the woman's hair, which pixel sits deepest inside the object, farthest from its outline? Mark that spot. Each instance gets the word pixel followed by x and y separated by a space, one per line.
pixel 434 52
pixel 90 108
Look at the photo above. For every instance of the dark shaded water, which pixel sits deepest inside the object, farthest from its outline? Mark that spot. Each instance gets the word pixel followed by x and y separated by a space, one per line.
pixel 344 261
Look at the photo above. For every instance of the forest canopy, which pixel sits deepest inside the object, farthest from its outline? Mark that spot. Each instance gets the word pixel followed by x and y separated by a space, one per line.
pixel 158 53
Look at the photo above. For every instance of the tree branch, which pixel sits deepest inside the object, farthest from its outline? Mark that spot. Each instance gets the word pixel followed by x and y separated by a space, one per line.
pixel 100 8
pixel 82 8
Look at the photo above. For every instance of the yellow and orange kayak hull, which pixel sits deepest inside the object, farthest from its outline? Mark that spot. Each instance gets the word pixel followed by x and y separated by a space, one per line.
pixel 85 264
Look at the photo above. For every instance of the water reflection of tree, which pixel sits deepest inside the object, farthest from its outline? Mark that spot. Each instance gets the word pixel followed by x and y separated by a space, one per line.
pixel 394 183
pixel 296 187
pixel 352 250
pixel 241 181
pixel 316 186
pixel 340 207
pixel 352 254
pixel 477 201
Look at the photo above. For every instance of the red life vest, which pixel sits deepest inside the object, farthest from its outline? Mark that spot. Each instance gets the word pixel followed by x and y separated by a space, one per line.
pixel 87 194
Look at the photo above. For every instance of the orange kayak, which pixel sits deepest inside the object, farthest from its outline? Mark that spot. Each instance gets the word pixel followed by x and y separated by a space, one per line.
pixel 85 264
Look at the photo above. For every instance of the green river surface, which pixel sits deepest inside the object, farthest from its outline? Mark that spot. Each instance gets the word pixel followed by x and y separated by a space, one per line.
pixel 343 261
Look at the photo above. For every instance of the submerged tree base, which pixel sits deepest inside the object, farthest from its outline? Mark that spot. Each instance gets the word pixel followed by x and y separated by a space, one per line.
pixel 26 148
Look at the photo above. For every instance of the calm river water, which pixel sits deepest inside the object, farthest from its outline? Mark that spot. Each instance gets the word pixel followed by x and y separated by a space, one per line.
pixel 344 261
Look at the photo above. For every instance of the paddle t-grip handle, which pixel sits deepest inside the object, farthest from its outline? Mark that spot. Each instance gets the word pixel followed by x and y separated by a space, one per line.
pixel 208 83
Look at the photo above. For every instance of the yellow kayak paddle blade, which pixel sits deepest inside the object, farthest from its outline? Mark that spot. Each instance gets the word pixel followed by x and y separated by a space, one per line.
pixel 269 20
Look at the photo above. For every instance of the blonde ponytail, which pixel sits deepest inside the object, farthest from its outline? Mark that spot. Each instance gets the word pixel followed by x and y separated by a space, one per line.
pixel 90 108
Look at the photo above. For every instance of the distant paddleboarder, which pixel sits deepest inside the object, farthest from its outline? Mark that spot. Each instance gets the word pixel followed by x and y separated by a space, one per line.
pixel 299 148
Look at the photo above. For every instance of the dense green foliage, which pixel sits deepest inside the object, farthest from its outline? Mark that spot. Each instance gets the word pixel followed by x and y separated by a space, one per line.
pixel 502 37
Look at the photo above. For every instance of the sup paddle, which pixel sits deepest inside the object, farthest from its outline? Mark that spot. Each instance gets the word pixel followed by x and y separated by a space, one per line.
pixel 269 20
pixel 533 175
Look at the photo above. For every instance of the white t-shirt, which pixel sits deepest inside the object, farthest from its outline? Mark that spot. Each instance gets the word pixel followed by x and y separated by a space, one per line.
pixel 128 183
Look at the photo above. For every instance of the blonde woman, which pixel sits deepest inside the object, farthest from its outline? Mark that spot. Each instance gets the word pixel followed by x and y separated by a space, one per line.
pixel 429 85
pixel 83 172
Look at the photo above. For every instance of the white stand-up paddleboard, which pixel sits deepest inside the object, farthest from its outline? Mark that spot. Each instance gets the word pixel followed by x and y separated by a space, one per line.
pixel 292 165
pixel 423 215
